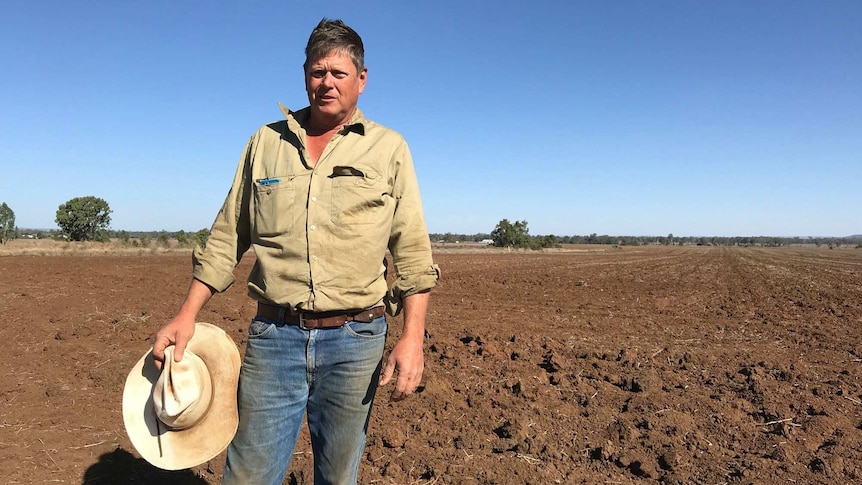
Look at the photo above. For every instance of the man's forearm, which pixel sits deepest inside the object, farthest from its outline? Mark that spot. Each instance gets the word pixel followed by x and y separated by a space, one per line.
pixel 199 294
pixel 415 308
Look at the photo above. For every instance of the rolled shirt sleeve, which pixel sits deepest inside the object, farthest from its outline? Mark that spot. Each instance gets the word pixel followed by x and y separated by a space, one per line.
pixel 229 235
pixel 409 243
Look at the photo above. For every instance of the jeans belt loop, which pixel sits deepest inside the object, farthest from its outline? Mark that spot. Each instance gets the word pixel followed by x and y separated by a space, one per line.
pixel 281 311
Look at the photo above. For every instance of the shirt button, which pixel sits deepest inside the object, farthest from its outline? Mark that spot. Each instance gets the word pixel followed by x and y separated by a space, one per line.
pixel 314 199
pixel 314 258
pixel 313 228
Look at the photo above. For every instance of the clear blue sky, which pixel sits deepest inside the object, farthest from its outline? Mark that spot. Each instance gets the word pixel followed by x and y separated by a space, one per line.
pixel 623 118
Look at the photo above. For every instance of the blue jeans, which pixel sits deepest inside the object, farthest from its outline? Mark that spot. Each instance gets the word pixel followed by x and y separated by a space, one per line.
pixel 330 374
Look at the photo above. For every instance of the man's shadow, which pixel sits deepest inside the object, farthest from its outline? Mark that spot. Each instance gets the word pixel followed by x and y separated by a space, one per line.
pixel 121 467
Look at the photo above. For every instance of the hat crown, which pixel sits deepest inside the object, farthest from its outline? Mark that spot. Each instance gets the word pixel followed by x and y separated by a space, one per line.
pixel 183 392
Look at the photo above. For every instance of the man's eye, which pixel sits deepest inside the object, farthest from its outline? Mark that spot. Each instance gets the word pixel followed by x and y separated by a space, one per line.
pixel 339 75
pixel 318 74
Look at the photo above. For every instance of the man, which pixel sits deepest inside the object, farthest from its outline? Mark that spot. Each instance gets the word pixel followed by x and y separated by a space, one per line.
pixel 319 196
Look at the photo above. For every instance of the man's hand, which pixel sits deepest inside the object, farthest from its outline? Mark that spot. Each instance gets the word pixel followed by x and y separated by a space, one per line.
pixel 180 329
pixel 408 360
pixel 406 357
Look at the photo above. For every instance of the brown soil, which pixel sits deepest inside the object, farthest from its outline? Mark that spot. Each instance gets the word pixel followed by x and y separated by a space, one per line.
pixel 658 365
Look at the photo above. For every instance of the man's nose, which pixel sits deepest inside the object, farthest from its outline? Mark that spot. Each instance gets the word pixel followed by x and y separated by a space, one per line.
pixel 327 79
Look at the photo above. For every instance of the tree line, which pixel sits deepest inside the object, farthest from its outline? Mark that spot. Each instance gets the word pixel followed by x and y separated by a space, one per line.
pixel 516 235
pixel 88 219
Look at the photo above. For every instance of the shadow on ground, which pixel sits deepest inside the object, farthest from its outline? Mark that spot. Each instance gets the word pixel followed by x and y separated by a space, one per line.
pixel 120 466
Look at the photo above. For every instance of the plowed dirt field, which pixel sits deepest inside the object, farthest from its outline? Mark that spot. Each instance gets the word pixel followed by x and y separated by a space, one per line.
pixel 643 364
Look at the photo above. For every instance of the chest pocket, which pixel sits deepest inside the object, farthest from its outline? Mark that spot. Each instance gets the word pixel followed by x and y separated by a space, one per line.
pixel 274 205
pixel 358 195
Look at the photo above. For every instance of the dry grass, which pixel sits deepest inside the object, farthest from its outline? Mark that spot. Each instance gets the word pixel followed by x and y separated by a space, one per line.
pixel 478 248
pixel 47 247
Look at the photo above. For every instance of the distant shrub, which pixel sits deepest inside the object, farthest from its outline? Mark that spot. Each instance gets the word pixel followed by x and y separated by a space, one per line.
pixel 201 237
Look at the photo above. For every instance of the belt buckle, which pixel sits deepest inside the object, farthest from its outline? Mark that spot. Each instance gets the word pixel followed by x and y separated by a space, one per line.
pixel 301 316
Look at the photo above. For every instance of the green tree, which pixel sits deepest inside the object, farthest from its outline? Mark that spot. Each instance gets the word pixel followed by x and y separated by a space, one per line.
pixel 182 238
pixel 163 239
pixel 7 223
pixel 550 241
pixel 507 234
pixel 201 237
pixel 84 219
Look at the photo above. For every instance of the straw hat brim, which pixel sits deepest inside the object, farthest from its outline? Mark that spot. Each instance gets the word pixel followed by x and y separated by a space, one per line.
pixel 186 448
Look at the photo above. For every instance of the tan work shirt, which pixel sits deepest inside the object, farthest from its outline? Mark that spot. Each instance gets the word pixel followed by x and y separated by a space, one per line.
pixel 320 232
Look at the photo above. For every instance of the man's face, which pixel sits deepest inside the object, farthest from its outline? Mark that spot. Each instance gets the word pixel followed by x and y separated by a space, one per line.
pixel 333 87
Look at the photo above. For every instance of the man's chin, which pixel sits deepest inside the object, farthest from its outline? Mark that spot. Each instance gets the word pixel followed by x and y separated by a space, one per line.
pixel 328 111
pixel 325 109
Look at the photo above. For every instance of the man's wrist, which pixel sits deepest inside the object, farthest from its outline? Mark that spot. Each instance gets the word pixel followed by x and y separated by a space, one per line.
pixel 413 334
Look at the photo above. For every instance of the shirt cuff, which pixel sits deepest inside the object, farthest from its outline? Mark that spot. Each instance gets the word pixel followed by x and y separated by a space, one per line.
pixel 207 274
pixel 410 283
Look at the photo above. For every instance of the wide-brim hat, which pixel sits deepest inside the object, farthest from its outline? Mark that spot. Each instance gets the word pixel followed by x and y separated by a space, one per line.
pixel 185 414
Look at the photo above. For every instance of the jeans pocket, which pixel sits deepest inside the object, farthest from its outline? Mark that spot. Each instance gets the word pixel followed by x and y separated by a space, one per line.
pixel 260 328
pixel 373 330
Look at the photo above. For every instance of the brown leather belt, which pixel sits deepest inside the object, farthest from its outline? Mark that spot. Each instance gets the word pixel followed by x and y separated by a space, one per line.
pixel 309 320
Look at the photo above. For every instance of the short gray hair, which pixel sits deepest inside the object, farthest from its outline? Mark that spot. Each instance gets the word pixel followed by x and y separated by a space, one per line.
pixel 334 36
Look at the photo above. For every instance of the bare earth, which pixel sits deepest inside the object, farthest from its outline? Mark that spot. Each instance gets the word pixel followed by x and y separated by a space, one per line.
pixel 655 365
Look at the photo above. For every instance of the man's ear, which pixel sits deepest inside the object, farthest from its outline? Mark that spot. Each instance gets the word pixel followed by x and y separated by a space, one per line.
pixel 363 79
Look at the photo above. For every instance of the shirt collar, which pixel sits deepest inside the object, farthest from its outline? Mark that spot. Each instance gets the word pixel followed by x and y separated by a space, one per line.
pixel 294 118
